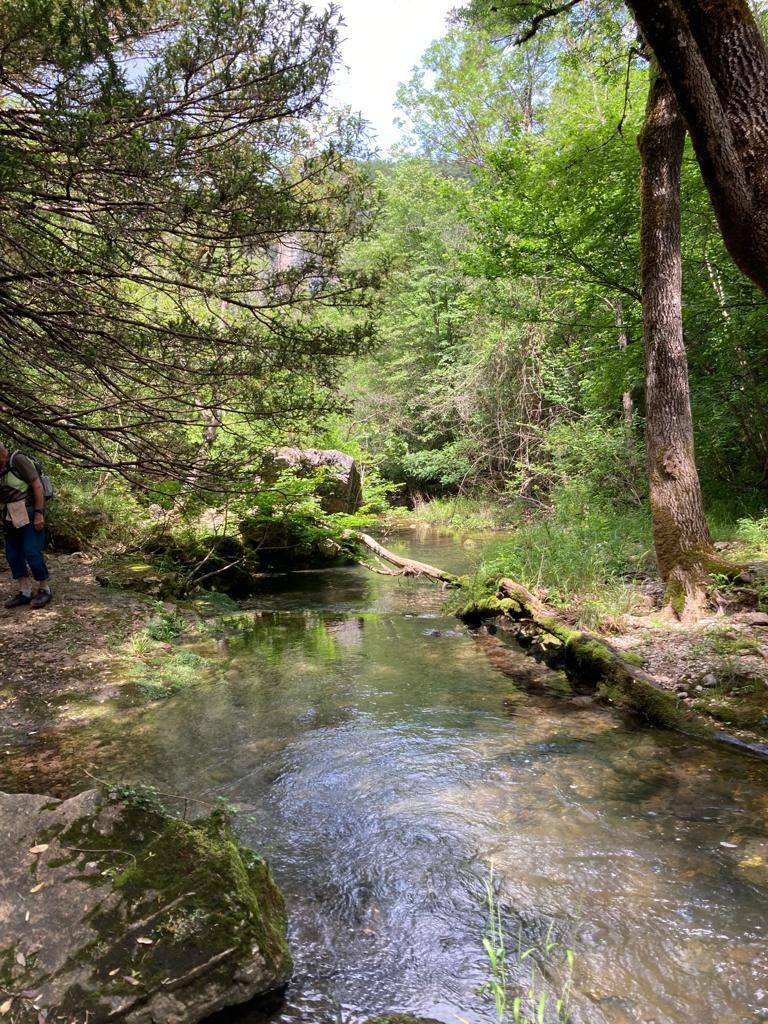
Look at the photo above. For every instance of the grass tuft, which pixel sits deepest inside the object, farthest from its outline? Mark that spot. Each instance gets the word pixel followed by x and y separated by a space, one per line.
pixel 535 1000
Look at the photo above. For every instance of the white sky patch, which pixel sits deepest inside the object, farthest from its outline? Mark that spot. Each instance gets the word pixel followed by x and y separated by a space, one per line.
pixel 382 42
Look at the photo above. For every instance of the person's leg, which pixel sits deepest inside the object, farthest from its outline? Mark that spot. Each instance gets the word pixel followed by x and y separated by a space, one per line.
pixel 33 541
pixel 14 553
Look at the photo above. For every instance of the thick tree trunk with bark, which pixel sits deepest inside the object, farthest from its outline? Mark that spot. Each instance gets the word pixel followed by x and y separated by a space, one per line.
pixel 714 57
pixel 680 532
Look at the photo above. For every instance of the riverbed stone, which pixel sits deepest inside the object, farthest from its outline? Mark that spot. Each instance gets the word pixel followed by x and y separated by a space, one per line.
pixel 111 909
pixel 402 1018
pixel 754 618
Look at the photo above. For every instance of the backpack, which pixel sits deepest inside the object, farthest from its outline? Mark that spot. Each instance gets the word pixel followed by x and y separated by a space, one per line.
pixel 48 488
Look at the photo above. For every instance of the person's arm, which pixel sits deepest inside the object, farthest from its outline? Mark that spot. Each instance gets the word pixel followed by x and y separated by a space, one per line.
pixel 38 517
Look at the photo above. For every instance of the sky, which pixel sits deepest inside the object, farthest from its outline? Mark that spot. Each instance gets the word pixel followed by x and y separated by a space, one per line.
pixel 383 41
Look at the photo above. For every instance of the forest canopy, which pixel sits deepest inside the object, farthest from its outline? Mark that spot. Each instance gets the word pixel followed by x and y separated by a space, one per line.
pixel 175 200
pixel 549 296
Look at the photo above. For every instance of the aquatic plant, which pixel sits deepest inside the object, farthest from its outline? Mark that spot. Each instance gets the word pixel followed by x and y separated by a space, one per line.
pixel 535 1001
pixel 165 625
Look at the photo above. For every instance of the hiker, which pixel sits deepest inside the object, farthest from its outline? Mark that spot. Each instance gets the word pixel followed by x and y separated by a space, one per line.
pixel 22 497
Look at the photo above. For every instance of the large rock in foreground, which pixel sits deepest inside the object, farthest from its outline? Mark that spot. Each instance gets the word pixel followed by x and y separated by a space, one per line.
pixel 112 910
pixel 339 488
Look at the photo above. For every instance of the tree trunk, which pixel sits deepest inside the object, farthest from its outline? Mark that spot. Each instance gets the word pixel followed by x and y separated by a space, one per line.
pixel 714 57
pixel 680 532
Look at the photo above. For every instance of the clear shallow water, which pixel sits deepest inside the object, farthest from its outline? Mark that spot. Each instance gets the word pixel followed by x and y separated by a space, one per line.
pixel 382 759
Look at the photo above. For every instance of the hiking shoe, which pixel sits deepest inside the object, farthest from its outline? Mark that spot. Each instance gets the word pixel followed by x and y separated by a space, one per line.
pixel 18 600
pixel 41 599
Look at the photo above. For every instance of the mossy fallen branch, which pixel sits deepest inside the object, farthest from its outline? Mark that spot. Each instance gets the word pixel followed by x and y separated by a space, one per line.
pixel 616 677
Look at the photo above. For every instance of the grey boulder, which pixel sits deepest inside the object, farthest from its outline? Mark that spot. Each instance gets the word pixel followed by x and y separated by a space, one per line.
pixel 340 485
pixel 112 910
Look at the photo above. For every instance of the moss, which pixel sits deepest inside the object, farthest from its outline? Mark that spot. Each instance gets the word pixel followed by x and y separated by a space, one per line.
pixel 657 706
pixel 477 610
pixel 633 659
pixel 674 596
pixel 558 683
pixel 743 716
pixel 142 577
pixel 589 654
pixel 200 890
pixel 7 967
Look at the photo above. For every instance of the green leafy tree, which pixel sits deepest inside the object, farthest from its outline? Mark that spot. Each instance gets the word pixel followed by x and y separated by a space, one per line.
pixel 175 200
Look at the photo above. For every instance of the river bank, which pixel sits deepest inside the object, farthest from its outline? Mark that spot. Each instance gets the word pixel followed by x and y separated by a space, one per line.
pixel 59 663
pixel 89 652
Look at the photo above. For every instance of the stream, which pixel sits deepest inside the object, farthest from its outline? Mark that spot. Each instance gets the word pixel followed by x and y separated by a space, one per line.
pixel 381 761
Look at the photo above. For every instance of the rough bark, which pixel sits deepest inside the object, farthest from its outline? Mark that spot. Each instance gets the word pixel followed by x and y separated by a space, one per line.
pixel 715 59
pixel 680 532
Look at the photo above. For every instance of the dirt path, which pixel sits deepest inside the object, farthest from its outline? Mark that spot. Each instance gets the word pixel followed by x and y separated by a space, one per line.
pixel 57 663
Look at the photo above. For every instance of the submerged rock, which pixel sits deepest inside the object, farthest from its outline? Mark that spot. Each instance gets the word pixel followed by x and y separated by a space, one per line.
pixel 402 1018
pixel 111 909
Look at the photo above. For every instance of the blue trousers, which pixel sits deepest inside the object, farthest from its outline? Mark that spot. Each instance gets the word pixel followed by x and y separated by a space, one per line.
pixel 24 547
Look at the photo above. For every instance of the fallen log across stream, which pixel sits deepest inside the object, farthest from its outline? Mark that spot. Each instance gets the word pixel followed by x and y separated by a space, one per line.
pixel 615 677
pixel 405 566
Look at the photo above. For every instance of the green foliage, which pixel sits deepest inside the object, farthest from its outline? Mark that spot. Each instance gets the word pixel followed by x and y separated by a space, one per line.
pixel 754 532
pixel 160 674
pixel 535 1001
pixel 156 665
pixel 175 293
pixel 93 510
pixel 285 521
pixel 165 626
pixel 511 331
pixel 460 513
pixel 582 554
pixel 140 795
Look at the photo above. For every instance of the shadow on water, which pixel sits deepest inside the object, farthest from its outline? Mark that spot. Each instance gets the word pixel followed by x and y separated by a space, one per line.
pixel 381 761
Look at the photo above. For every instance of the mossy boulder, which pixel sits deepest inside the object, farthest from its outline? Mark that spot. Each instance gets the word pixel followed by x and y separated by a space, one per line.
pixel 109 908
pixel 141 577
pixel 286 544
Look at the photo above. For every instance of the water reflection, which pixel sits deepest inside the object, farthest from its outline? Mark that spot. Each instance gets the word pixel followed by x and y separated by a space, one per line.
pixel 381 770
